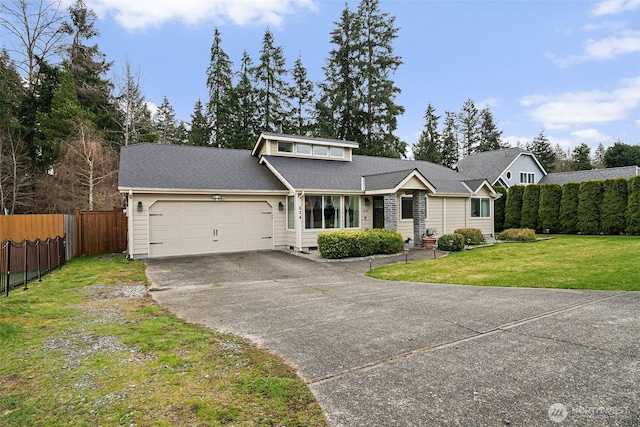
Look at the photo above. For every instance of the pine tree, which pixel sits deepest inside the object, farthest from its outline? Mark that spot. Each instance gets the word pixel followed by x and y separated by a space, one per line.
pixel 220 85
pixel 598 157
pixel 469 128
pixel 450 141
pixel 541 148
pixel 200 131
pixel 377 62
pixel 166 123
pixel 581 157
pixel 621 154
pixel 428 145
pixel 89 68
pixel 339 110
pixel 489 133
pixel 245 127
pixel 135 114
pixel 302 96
pixel 561 163
pixel 273 87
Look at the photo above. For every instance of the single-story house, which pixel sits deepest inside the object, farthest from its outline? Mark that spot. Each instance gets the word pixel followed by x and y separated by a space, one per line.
pixel 184 200
pixel 626 172
pixel 506 167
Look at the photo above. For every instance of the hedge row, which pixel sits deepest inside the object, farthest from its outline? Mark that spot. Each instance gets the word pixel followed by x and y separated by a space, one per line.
pixel 358 243
pixel 591 207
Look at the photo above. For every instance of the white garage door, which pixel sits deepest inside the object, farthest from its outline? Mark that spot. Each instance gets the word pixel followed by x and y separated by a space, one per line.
pixel 189 228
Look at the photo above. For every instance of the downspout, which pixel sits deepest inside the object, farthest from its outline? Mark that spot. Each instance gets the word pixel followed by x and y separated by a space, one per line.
pixel 130 225
pixel 444 215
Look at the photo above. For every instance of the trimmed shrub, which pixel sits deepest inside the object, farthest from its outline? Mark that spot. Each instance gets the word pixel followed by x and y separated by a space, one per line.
pixel 498 209
pixel 451 242
pixel 569 208
pixel 359 243
pixel 589 200
pixel 513 207
pixel 614 205
pixel 473 234
pixel 518 235
pixel 530 206
pixel 549 211
pixel 633 206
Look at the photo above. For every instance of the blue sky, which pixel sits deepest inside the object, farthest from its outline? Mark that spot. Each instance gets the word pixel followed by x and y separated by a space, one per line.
pixel 571 68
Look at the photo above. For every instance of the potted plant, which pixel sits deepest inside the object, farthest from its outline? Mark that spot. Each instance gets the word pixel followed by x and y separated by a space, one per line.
pixel 428 239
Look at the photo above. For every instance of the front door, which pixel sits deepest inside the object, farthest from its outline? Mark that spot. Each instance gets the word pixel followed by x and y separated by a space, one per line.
pixel 378 211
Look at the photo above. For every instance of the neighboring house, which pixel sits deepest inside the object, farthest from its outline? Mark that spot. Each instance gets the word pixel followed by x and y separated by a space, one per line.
pixel 195 200
pixel 507 167
pixel 626 172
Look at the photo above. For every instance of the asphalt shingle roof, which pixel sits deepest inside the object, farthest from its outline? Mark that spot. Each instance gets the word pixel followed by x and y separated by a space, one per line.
pixel 489 165
pixel 625 172
pixel 193 168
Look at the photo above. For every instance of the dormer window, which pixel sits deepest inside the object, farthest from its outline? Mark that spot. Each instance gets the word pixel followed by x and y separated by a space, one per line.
pixel 303 149
pixel 320 150
pixel 285 147
pixel 337 152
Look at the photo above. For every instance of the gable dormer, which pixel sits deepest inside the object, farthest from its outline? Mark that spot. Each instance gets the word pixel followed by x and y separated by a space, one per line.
pixel 280 144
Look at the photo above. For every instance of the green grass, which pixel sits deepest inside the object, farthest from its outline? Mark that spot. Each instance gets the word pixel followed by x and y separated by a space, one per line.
pixel 72 354
pixel 569 262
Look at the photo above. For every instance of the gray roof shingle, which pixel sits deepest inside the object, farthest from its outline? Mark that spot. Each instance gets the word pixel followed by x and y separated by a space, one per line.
pixel 193 168
pixel 489 165
pixel 626 172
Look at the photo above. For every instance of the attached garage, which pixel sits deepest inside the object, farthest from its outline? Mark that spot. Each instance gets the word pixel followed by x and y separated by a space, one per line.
pixel 188 227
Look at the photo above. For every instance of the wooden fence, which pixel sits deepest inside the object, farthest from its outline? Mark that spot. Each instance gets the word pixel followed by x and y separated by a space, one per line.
pixel 100 232
pixel 39 226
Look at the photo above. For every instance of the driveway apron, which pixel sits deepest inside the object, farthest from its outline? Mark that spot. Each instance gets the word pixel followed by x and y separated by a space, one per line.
pixel 381 353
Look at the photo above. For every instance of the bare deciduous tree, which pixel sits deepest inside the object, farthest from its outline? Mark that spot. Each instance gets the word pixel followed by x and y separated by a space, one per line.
pixel 37 29
pixel 14 180
pixel 131 101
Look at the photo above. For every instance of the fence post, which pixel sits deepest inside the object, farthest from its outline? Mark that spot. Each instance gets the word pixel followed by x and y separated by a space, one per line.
pixel 38 256
pixel 26 264
pixel 79 250
pixel 8 265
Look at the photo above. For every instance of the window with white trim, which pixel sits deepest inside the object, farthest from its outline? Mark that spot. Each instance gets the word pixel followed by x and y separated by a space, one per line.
pixel 285 147
pixel 291 213
pixel 320 150
pixel 527 178
pixel 322 212
pixel 351 211
pixel 480 207
pixel 303 149
pixel 337 152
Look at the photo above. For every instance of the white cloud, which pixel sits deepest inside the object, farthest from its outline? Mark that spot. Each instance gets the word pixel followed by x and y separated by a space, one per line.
pixel 625 42
pixel 614 7
pixel 590 136
pixel 140 14
pixel 584 108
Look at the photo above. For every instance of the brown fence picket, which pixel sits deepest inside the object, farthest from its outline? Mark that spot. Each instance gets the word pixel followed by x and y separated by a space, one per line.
pixel 99 232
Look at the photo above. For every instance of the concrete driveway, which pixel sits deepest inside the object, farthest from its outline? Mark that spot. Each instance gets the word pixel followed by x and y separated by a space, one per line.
pixel 379 353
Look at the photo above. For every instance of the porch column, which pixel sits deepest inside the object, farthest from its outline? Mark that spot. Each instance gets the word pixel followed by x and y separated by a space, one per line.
pixel 391 211
pixel 419 217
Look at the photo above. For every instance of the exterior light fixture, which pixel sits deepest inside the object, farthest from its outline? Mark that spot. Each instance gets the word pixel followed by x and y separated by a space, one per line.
pixel 217 197
pixel 280 206
pixel 367 202
pixel 139 206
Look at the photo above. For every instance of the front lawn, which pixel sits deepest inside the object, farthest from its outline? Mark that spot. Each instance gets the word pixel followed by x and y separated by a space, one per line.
pixel 88 347
pixel 570 262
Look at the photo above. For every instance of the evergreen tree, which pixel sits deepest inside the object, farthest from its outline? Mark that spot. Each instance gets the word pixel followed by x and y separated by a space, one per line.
pixel 377 62
pixel 499 209
pixel 272 85
pixel 541 148
pixel 569 208
pixel 621 154
pixel 450 141
pixel 428 145
pixel 632 214
pixel 469 128
pixel 199 132
pixel 513 207
pixel 220 85
pixel 302 96
pixel 549 211
pixel 614 205
pixel 581 157
pixel 530 207
pixel 562 162
pixel 245 120
pixel 589 202
pixel 339 111
pixel 12 90
pixel 135 114
pixel 489 133
pixel 598 157
pixel 89 68
pixel 166 123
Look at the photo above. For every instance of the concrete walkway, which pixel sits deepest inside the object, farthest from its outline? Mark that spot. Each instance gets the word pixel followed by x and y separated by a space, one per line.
pixel 379 353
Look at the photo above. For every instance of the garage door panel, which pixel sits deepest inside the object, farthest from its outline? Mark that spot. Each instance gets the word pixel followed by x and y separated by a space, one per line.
pixel 186 228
